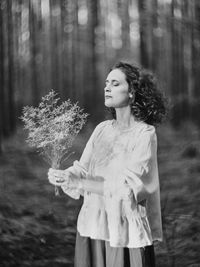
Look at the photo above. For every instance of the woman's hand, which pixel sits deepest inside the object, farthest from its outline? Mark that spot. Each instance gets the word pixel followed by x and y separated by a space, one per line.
pixel 64 178
pixel 57 177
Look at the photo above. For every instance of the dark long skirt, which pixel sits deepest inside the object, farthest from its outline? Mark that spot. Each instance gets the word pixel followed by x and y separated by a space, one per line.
pixel 98 253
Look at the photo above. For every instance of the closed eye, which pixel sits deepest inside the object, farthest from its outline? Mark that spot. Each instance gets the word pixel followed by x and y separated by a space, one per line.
pixel 113 82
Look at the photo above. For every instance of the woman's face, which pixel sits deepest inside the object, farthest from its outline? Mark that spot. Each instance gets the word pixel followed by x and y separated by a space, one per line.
pixel 116 90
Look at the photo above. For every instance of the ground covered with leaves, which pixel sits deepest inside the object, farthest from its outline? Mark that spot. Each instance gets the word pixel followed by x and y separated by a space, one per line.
pixel 38 229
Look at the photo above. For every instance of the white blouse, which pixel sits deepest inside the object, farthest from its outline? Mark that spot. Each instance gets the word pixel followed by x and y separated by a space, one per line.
pixel 128 213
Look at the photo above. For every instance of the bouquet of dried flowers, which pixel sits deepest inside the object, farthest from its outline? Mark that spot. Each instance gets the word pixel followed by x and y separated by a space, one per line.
pixel 52 128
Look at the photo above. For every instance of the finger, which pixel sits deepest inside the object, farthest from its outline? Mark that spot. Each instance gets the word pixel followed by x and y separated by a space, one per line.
pixel 60 180
pixel 56 174
pixel 52 178
pixel 55 182
pixel 62 175
pixel 55 178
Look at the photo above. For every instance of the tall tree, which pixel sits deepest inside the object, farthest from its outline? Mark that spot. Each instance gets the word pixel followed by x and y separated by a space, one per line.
pixel 144 49
pixel 67 29
pixel 75 51
pixel 11 103
pixel 5 72
pixel 123 11
pixel 35 24
pixel 178 75
pixel 54 43
pixel 93 84
pixel 1 75
pixel 155 39
pixel 196 47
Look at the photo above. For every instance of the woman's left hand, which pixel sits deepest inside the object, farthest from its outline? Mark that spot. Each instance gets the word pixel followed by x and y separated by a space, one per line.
pixel 57 177
pixel 64 178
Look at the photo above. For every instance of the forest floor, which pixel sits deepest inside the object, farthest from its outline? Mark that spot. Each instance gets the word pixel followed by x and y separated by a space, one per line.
pixel 38 229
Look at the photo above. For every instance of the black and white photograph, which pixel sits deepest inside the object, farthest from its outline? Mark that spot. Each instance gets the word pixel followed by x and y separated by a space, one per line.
pixel 99 133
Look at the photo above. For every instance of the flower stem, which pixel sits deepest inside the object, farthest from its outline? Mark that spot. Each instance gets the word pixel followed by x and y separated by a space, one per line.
pixel 57 193
pixel 56 166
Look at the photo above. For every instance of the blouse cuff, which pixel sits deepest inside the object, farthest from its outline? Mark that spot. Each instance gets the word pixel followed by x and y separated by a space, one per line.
pixel 73 193
pixel 77 170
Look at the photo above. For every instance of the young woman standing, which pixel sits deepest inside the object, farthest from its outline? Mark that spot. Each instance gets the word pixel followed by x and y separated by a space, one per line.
pixel 117 175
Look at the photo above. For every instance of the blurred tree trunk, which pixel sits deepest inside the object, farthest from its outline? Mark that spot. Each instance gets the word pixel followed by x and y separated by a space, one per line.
pixel 93 84
pixel 103 62
pixel 19 72
pixel 175 67
pixel 65 63
pixel 188 14
pixel 178 74
pixel 67 28
pixel 80 36
pixel 173 51
pixel 1 75
pixel 34 26
pixel 58 51
pixel 123 11
pixel 46 47
pixel 33 49
pixel 5 70
pixel 143 19
pixel 183 72
pixel 155 40
pixel 196 48
pixel 75 52
pixel 54 43
pixel 102 22
pixel 109 51
pixel 11 103
pixel 17 86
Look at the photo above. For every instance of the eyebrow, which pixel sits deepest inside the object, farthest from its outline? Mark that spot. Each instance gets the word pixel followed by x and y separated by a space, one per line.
pixel 112 80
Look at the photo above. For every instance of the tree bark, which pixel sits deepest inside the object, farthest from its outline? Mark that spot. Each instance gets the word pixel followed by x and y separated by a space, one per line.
pixel 123 11
pixel 144 55
pixel 92 93
pixel 1 76
pixel 34 26
pixel 11 102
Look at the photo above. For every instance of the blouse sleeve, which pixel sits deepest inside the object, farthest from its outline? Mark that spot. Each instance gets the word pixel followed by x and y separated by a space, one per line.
pixel 141 172
pixel 80 168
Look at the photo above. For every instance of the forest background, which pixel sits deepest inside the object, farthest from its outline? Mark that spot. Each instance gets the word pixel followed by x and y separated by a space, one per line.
pixel 69 46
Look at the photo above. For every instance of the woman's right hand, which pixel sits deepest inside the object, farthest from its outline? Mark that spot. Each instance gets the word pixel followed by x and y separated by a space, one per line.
pixel 57 177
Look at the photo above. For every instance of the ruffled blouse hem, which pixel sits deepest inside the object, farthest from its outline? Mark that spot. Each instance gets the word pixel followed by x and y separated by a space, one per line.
pixel 113 244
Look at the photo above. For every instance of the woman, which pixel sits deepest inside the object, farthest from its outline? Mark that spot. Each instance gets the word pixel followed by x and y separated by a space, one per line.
pixel 118 176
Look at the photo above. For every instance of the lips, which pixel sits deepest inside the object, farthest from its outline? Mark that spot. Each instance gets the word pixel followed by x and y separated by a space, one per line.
pixel 108 96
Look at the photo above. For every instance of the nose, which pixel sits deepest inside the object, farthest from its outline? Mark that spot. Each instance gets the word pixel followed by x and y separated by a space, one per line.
pixel 107 88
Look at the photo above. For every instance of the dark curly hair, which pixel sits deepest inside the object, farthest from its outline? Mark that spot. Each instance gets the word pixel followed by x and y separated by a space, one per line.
pixel 149 104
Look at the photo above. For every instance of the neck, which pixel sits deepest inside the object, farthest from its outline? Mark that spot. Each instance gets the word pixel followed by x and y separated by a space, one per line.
pixel 124 117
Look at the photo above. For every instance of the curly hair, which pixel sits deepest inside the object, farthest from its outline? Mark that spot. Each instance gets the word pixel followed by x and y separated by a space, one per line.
pixel 149 104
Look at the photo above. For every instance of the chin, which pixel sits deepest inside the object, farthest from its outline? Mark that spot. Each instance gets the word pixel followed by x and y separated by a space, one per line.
pixel 108 105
